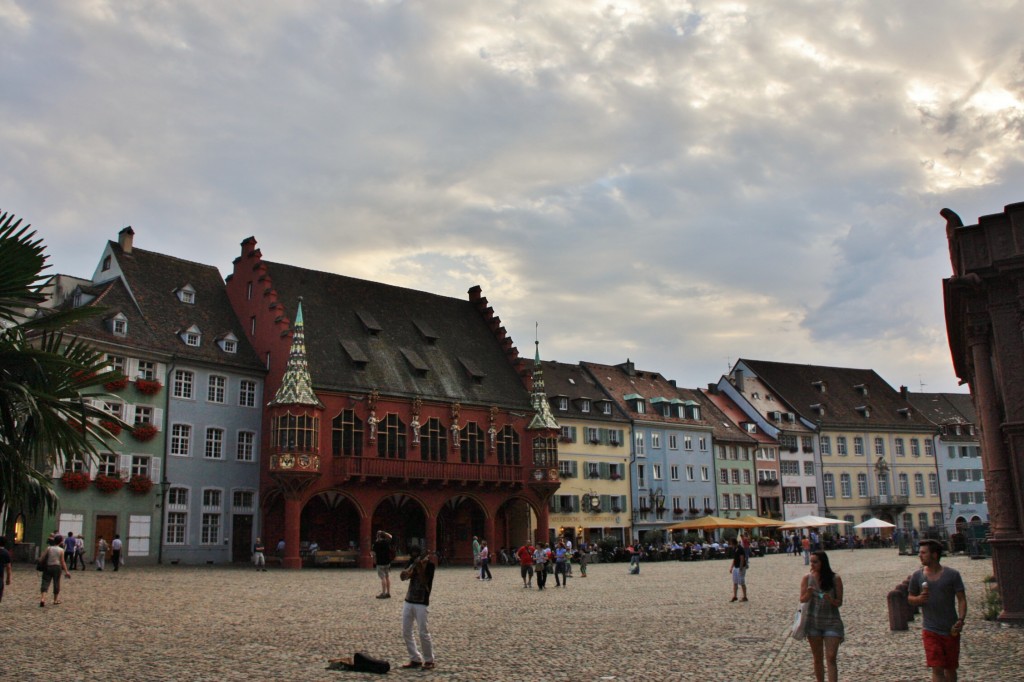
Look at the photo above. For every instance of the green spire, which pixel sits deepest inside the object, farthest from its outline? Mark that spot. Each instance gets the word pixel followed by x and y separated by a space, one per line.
pixel 297 385
pixel 542 418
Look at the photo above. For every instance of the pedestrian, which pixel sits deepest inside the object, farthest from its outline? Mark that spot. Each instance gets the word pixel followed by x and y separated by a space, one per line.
pixel 939 591
pixel 822 591
pixel 634 559
pixel 540 565
pixel 561 559
pixel 53 560
pixel 382 557
pixel 280 549
pixel 259 559
pixel 101 554
pixel 805 543
pixel 739 569
pixel 476 553
pixel 584 559
pixel 5 566
pixel 70 545
pixel 420 574
pixel 568 558
pixel 485 560
pixel 525 555
pixel 79 553
pixel 115 549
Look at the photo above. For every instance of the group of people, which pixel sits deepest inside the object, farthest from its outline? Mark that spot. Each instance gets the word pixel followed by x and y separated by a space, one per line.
pixel 60 550
pixel 938 590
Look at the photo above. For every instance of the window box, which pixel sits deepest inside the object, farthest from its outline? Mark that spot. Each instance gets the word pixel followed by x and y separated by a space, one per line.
pixel 709 511
pixel 678 511
pixel 694 511
pixel 808 449
pixel 595 441
pixel 616 510
pixel 140 485
pixel 147 387
pixel 616 477
pixel 769 482
pixel 112 427
pixel 794 448
pixel 144 433
pixel 565 474
pixel 108 484
pixel 116 384
pixel 75 480
pixel 594 474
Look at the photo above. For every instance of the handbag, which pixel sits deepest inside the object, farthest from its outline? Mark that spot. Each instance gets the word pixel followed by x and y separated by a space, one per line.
pixel 799 630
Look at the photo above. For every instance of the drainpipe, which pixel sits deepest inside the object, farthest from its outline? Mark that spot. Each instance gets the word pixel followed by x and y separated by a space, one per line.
pixel 164 482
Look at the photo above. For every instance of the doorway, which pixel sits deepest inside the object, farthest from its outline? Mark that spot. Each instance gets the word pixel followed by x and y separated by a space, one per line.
pixel 106 527
pixel 241 538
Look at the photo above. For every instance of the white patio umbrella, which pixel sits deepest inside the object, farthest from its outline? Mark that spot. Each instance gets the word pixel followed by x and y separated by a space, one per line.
pixel 811 522
pixel 875 523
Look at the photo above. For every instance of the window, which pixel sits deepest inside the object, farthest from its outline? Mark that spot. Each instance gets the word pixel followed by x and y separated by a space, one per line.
pixel 858 445
pixel 746 476
pixel 900 452
pixel 929 448
pixel 176 523
pixel 789 467
pixel 183 380
pixel 641 480
pixel 725 501
pixel 181 439
pixel 862 485
pixel 247 393
pixel 192 339
pixel 674 472
pixel 107 465
pixel 705 474
pixel 563 404
pixel 736 500
pixel 391 439
pixel 673 441
pixel 922 520
pixel 735 476
pixel 211 528
pixel 211 498
pixel 723 476
pixel 246 450
pixel 812 494
pixel 732 452
pixel 143 414
pixel 826 445
pixel 748 501
pixel 766 475
pixel 106 263
pixel 702 444
pixel 187 295
pixel 140 465
pixel 845 489
pixel 919 485
pixel 147 370
pixel 606 408
pixel 933 485
pixel 883 484
pixel 656 472
pixel 904 484
pixel 689 472
pixel 915 447
pixel 585 406
pixel 792 496
pixel 214 443
pixel 841 445
pixel 508 445
pixel 829 484
pixel 116 362
pixel 242 500
pixel 640 444
pixel 688 442
pixel 641 406
pixel 656 441
pixel 879 446
pixel 471 442
pixel 119 325
pixel 808 468
pixel 114 408
pixel 908 521
pixel 216 388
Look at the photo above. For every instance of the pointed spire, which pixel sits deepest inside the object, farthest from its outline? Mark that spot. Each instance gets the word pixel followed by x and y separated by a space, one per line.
pixel 297 385
pixel 542 419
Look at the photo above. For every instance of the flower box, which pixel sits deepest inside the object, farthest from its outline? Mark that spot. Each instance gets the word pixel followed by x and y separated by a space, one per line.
pixel 75 480
pixel 678 511
pixel 139 484
pixel 616 477
pixel 112 427
pixel 147 387
pixel 709 512
pixel 694 511
pixel 144 432
pixel 108 484
pixel 616 510
pixel 565 474
pixel 116 384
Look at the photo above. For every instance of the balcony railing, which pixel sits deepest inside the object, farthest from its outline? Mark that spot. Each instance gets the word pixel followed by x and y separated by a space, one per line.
pixel 409 469
pixel 889 501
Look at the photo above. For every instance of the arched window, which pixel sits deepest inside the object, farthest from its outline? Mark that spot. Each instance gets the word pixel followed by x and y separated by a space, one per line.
pixel 290 432
pixel 347 435
pixel 508 446
pixel 472 444
pixel 434 441
pixel 391 437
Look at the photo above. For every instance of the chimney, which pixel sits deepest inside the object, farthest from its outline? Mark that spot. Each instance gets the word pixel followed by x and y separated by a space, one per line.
pixel 713 389
pixel 125 238
pixel 629 367
pixel 738 374
pixel 903 392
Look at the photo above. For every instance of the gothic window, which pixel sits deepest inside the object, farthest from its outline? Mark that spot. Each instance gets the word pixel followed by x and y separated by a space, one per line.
pixel 545 452
pixel 295 432
pixel 472 444
pixel 347 434
pixel 508 446
pixel 434 441
pixel 391 437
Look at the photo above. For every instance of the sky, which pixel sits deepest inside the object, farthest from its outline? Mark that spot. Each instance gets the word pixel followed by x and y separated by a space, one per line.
pixel 677 183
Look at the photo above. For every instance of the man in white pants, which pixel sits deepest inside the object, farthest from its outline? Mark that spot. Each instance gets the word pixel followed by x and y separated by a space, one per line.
pixel 420 575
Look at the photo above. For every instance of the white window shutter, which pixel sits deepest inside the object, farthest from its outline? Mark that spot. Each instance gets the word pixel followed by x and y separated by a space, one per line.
pixel 158 418
pixel 129 413
pixel 154 469
pixel 124 466
pixel 94 465
pixel 131 368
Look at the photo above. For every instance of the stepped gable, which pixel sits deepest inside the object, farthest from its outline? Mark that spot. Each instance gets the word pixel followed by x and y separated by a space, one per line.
pixel 842 397
pixel 725 417
pixel 114 298
pixel 155 278
pixel 364 336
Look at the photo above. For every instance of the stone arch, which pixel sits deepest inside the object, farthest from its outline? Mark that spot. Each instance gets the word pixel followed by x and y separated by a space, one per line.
pixel 459 519
pixel 331 518
pixel 515 523
pixel 404 516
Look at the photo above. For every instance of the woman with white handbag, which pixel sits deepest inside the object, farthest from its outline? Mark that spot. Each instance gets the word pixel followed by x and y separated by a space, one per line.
pixel 821 596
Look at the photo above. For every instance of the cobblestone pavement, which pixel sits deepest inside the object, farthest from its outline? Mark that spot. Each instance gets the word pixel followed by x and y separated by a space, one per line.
pixel 672 622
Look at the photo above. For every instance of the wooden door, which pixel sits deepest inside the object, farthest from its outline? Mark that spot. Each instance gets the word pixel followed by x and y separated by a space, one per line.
pixel 241 538
pixel 106 526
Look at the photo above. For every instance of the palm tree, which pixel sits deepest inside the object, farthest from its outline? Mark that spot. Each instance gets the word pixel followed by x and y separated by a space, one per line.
pixel 43 417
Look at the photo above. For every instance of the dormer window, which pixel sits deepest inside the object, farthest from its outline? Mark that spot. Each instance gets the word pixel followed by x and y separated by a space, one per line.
pixel 192 336
pixel 956 430
pixel 750 427
pixel 819 409
pixel 563 403
pixel 228 343
pixel 606 408
pixel 775 416
pixel 186 294
pixel 819 385
pixel 119 325
pixel 585 405
pixel 904 412
pixel 865 411
pixel 970 429
pixel 861 389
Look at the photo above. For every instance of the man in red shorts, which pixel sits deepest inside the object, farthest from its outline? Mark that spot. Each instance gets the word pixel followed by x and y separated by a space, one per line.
pixel 939 591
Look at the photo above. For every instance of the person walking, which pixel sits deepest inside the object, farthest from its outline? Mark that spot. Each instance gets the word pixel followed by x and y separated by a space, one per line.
pixel 101 554
pixel 382 556
pixel 525 555
pixel 476 553
pixel 115 550
pixel 485 560
pixel 805 544
pixel 420 574
pixel 540 565
pixel 259 558
pixel 561 559
pixel 5 566
pixel 584 559
pixel 54 567
pixel 739 569
pixel 822 591
pixel 79 554
pixel 939 591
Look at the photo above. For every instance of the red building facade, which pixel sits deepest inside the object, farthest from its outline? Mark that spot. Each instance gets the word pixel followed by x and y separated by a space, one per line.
pixel 393 410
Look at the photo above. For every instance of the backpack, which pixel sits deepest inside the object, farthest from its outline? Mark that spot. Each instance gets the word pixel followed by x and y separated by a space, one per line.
pixel 360 663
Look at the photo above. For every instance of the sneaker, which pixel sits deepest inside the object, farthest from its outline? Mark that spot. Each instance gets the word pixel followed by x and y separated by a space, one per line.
pixel 412 664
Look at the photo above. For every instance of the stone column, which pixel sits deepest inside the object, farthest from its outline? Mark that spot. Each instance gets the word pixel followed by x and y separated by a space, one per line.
pixel 292 536
pixel 365 541
pixel 489 534
pixel 431 532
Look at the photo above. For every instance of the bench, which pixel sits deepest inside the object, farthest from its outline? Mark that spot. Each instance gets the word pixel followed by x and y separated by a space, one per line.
pixel 337 557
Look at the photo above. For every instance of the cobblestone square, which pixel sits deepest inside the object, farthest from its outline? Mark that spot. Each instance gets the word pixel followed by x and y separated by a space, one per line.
pixel 672 622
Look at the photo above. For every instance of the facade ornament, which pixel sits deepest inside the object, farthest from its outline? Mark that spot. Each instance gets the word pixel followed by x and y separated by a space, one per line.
pixel 455 425
pixel 371 421
pixel 417 404
pixel 492 431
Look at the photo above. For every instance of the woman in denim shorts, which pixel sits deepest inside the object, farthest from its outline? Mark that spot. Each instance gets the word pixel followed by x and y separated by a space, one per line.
pixel 822 591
